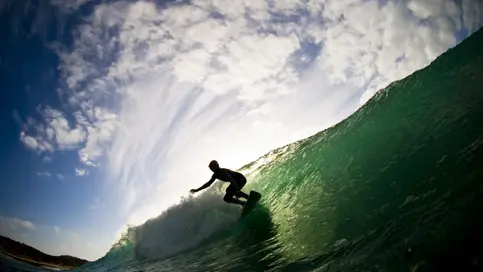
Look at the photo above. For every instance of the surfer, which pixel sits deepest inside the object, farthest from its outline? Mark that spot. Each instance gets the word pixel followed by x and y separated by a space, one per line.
pixel 236 180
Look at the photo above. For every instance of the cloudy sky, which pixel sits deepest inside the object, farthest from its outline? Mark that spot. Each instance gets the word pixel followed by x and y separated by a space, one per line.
pixel 111 110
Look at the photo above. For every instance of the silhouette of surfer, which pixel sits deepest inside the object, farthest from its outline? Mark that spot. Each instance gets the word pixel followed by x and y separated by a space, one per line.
pixel 236 180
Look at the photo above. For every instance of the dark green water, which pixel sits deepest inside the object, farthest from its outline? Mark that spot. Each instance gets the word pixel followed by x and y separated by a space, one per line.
pixel 397 186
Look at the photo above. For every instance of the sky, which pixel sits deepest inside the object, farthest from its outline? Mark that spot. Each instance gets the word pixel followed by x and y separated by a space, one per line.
pixel 112 110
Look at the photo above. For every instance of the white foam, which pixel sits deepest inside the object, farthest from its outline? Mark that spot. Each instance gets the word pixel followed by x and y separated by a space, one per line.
pixel 185 225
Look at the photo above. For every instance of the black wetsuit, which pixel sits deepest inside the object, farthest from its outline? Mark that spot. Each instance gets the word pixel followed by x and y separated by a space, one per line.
pixel 232 190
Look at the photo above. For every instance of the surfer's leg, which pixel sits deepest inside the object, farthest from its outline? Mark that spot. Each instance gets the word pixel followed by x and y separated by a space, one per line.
pixel 234 200
pixel 241 194
pixel 241 182
pixel 229 196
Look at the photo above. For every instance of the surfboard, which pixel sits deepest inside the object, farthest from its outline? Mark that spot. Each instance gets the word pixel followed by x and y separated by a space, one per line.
pixel 253 199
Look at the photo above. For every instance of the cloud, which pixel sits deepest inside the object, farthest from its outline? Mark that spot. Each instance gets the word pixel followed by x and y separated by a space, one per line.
pixel 54 132
pixel 97 204
pixel 68 6
pixel 472 14
pixel 59 128
pixel 15 228
pixel 60 177
pixel 373 45
pixel 15 224
pixel 48 239
pixel 47 158
pixel 37 144
pixel 80 172
pixel 29 141
pixel 227 80
pixel 102 126
pixel 44 174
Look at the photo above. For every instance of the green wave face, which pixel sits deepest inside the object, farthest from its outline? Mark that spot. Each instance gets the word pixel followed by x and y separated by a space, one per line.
pixel 408 161
pixel 395 187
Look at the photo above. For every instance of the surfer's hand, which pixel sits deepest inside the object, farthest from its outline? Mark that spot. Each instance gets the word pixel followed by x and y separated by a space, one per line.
pixel 193 191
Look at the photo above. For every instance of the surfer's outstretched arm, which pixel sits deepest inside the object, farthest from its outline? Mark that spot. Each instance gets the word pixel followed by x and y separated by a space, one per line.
pixel 206 185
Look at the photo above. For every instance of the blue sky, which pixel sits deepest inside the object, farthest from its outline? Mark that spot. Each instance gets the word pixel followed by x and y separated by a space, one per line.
pixel 106 103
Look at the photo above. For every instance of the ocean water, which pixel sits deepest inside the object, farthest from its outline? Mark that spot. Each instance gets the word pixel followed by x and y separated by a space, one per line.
pixel 8 264
pixel 397 186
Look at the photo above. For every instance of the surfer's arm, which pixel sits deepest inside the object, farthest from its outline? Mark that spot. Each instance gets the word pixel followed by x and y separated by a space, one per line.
pixel 206 185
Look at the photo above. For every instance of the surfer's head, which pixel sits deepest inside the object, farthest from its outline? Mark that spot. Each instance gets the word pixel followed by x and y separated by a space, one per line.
pixel 214 165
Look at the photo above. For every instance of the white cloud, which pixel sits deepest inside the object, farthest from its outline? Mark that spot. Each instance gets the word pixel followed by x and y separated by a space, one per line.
pixel 228 80
pixel 59 128
pixel 47 159
pixel 472 14
pixel 80 172
pixel 15 228
pixel 15 224
pixel 37 144
pixel 90 129
pixel 97 204
pixel 60 177
pixel 99 133
pixel 44 174
pixel 68 5
pixel 48 239
pixel 53 133
pixel 29 141
pixel 373 46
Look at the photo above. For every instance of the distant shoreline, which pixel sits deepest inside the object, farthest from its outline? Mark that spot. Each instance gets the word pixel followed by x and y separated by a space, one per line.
pixel 32 262
pixel 30 255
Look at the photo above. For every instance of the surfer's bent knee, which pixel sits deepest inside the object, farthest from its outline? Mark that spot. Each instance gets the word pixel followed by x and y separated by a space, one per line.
pixel 227 198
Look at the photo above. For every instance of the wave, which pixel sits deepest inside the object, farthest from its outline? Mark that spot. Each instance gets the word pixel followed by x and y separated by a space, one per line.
pixel 382 190
pixel 179 228
pixel 184 226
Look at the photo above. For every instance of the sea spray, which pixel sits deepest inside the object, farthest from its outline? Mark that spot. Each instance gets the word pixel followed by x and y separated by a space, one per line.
pixel 184 226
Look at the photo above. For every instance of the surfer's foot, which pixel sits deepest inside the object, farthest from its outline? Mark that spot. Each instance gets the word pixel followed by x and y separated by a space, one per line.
pixel 238 201
pixel 241 194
